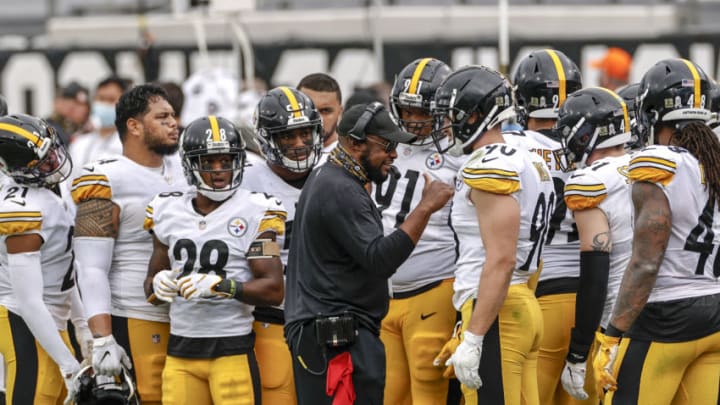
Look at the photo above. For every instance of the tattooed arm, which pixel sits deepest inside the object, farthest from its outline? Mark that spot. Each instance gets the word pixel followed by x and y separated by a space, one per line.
pixel 653 222
pixel 96 227
pixel 595 246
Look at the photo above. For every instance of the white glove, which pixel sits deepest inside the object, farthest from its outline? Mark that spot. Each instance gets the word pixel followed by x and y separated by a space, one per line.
pixel 199 285
pixel 466 360
pixel 165 285
pixel 573 379
pixel 108 357
pixel 72 383
pixel 84 339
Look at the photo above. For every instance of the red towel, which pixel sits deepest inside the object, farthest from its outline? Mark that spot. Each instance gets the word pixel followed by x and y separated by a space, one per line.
pixel 339 380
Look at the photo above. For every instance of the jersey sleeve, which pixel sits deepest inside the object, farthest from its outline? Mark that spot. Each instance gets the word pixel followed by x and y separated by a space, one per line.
pixel 274 214
pixel 584 190
pixel 654 165
pixel 493 170
pixel 154 222
pixel 91 184
pixel 14 221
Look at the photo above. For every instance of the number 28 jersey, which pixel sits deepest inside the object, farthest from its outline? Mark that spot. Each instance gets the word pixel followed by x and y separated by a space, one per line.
pixel 216 243
pixel 691 265
pixel 37 210
pixel 501 169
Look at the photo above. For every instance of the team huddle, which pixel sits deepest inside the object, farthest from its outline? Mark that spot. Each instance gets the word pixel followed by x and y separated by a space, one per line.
pixel 576 262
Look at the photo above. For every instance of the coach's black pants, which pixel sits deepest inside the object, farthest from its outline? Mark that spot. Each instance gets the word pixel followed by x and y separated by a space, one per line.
pixel 310 363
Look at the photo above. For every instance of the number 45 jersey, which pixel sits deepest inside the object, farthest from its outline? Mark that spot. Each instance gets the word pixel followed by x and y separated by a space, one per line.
pixel 691 265
pixel 216 243
pixel 435 253
pixel 501 169
pixel 33 210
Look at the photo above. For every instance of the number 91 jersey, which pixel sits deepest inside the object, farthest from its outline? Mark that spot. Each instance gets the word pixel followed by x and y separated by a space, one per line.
pixel 37 210
pixel 434 256
pixel 216 243
pixel 501 169
pixel 691 265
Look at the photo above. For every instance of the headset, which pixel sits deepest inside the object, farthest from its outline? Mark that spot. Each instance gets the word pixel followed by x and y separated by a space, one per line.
pixel 358 130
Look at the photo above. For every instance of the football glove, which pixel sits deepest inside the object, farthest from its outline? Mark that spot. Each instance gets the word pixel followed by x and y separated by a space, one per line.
pixel 165 285
pixel 447 350
pixel 573 379
pixel 199 285
pixel 604 361
pixel 84 339
pixel 108 357
pixel 466 360
pixel 72 384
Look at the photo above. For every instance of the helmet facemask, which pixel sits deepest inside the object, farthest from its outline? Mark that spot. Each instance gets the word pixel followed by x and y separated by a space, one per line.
pixel 51 166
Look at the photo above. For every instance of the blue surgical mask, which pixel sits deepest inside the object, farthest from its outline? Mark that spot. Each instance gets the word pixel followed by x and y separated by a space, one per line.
pixel 105 113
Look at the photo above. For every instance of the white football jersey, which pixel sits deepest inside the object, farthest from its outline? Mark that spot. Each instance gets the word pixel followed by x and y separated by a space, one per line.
pixel 691 265
pixel 130 186
pixel 435 253
pixel 260 178
pixel 560 254
pixel 215 243
pixel 501 169
pixel 605 185
pixel 37 210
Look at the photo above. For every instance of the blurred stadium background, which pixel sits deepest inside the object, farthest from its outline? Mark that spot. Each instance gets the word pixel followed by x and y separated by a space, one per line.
pixel 46 44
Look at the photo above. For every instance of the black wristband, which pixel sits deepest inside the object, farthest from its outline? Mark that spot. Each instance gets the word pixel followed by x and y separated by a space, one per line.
pixel 231 287
pixel 612 331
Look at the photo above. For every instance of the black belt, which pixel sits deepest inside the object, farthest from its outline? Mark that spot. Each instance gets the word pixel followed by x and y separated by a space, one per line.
pixel 420 290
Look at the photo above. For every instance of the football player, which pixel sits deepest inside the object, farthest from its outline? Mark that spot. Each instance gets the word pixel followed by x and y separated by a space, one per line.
pixel 111 246
pixel 217 248
pixel 662 344
pixel 325 93
pixel 37 269
pixel 420 315
pixel 543 81
pixel 501 211
pixel 289 128
pixel 594 126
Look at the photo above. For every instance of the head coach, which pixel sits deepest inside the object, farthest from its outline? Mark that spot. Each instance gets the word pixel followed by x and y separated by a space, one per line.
pixel 340 262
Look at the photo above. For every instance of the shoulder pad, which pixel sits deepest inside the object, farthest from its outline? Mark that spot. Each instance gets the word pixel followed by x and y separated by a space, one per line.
pixel 493 169
pixel 584 190
pixel 655 164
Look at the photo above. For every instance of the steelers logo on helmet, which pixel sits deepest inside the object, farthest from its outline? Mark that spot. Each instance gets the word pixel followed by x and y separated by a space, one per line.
pixel 591 118
pixel 673 93
pixel 32 152
pixel 470 101
pixel 543 80
pixel 288 128
pixel 413 92
pixel 210 147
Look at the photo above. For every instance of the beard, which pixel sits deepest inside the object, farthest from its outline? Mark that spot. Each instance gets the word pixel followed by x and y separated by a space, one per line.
pixel 329 133
pixel 374 173
pixel 156 145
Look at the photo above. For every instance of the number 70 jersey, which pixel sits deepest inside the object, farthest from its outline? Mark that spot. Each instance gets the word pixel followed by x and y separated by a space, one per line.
pixel 501 169
pixel 691 266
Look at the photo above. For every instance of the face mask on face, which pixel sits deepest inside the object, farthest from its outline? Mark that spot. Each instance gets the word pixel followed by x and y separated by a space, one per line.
pixel 105 113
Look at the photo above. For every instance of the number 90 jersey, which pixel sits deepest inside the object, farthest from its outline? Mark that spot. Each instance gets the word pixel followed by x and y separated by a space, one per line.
pixel 433 258
pixel 501 169
pixel 37 210
pixel 216 243
pixel 691 266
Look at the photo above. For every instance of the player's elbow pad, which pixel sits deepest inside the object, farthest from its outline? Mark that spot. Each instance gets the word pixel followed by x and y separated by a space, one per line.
pixel 94 257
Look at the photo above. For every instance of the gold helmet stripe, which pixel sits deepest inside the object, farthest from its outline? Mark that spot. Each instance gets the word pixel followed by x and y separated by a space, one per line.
pixel 297 112
pixel 562 91
pixel 626 117
pixel 413 89
pixel 22 132
pixel 214 128
pixel 696 82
